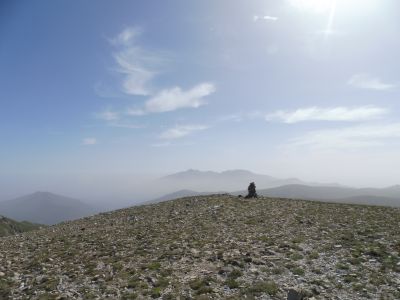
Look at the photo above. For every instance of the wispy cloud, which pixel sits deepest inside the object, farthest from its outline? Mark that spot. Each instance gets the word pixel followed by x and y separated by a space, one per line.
pixel 181 131
pixel 135 112
pixel 138 68
pixel 126 125
pixel 241 116
pixel 118 118
pixel 126 37
pixel 108 115
pixel 176 98
pixel 137 65
pixel 231 118
pixel 361 113
pixel 89 141
pixel 265 18
pixel 367 81
pixel 349 137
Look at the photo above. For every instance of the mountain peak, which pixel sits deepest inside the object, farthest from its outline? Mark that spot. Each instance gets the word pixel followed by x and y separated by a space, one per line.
pixel 45 208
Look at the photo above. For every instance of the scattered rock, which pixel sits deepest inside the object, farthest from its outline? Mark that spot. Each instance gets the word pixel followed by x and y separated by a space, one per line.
pixel 294 294
pixel 211 247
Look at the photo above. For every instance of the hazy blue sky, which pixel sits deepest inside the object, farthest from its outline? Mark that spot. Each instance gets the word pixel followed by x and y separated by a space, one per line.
pixel 290 88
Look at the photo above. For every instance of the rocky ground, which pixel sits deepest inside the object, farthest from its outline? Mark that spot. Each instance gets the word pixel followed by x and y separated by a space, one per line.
pixel 210 247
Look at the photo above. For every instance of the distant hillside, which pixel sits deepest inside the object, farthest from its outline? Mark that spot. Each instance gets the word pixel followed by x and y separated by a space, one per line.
pixel 180 194
pixel 210 181
pixel 211 247
pixel 10 227
pixel 45 208
pixel 174 195
pixel 386 196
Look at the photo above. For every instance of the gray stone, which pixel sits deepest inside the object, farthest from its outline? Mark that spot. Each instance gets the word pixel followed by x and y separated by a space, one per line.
pixel 295 295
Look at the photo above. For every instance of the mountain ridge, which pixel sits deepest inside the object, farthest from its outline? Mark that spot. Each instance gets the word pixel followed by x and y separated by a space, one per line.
pixel 389 196
pixel 45 208
pixel 228 180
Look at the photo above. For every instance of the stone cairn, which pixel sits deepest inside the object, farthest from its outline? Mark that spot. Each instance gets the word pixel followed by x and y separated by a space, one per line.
pixel 252 191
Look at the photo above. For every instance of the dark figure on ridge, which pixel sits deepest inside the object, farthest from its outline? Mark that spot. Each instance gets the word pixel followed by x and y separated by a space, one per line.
pixel 252 191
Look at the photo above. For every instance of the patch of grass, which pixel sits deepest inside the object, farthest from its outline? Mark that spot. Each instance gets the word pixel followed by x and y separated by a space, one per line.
pixel 263 287
pixel 297 271
pixel 162 282
pixel 342 266
pixel 201 285
pixel 133 282
pixel 235 274
pixel 296 256
pixel 155 293
pixel 277 271
pixel 232 283
pixel 349 279
pixel 154 266
pixel 313 255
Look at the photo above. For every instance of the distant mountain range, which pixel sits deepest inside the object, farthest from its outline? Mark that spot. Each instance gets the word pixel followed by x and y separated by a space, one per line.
pixel 45 208
pixel 385 196
pixel 232 180
pixel 368 196
pixel 190 182
pixel 11 227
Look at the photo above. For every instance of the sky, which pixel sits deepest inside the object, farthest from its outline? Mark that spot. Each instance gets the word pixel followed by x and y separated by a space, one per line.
pixel 96 95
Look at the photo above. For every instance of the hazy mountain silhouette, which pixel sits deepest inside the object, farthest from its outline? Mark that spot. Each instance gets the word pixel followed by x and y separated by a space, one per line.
pixel 378 196
pixel 45 208
pixel 210 181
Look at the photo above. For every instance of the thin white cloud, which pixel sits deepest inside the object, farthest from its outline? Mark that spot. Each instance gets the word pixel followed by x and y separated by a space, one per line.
pixel 270 18
pixel 265 18
pixel 176 98
pixel 350 137
pixel 241 116
pixel 127 125
pixel 181 131
pixel 137 65
pixel 367 81
pixel 108 115
pixel 231 118
pixel 127 36
pixel 135 112
pixel 89 141
pixel 362 113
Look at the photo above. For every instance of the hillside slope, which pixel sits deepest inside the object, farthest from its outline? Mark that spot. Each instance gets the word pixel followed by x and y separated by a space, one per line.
pixel 210 247
pixel 10 227
pixel 45 208
pixel 371 196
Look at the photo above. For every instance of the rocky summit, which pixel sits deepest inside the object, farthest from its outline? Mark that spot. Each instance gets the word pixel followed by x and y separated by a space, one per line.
pixel 210 247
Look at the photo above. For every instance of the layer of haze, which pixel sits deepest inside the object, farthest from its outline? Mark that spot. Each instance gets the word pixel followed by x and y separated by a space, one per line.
pixel 97 97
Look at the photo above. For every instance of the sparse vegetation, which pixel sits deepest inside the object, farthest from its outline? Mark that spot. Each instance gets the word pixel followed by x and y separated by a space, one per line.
pixel 218 247
pixel 11 227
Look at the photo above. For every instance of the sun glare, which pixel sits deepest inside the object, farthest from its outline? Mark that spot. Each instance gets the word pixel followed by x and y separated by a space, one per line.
pixel 326 6
pixel 317 6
